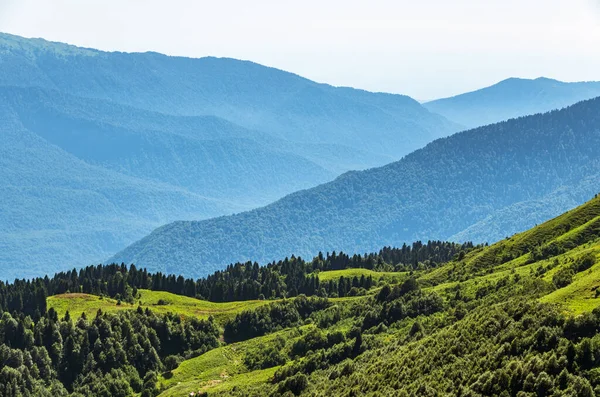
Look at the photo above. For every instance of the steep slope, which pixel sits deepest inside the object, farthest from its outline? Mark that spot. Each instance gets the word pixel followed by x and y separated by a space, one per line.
pixel 512 98
pixel 518 318
pixel 477 321
pixel 433 193
pixel 280 103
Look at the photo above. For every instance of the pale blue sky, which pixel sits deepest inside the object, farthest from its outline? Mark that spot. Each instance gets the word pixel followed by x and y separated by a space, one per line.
pixel 425 48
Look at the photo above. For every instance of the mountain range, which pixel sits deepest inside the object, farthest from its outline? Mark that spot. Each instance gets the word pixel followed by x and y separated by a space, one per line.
pixel 381 126
pixel 482 184
pixel 100 148
pixel 512 98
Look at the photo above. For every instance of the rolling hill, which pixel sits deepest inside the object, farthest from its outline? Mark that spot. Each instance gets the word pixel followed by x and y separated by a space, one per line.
pixel 449 188
pixel 512 98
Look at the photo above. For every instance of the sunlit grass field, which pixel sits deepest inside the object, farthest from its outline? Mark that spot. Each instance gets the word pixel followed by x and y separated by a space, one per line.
pixel 579 296
pixel 390 277
pixel 223 368
pixel 182 305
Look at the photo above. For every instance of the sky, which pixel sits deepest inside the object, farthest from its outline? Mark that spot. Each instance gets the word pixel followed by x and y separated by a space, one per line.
pixel 426 49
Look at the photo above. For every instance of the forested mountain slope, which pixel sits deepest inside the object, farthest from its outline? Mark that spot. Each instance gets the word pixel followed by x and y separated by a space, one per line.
pixel 517 318
pixel 168 138
pixel 443 190
pixel 58 210
pixel 512 98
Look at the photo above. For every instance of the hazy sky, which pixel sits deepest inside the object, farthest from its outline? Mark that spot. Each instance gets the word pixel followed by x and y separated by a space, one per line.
pixel 425 48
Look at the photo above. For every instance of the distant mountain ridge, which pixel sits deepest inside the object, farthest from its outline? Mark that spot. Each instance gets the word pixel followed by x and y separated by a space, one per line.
pixel 282 104
pixel 191 152
pixel 511 98
pixel 442 190
pixel 134 141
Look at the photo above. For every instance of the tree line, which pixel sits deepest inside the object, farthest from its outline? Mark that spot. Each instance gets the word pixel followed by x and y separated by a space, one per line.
pixel 240 281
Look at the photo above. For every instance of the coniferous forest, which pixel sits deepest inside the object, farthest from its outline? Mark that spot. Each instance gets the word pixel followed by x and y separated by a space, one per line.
pixel 516 318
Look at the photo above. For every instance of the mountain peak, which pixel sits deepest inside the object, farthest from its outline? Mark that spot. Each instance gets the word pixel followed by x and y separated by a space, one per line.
pixel 511 98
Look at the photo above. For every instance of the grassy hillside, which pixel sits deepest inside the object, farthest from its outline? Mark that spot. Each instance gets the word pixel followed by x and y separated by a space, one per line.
pixel 520 318
pixel 393 277
pixel 552 238
pixel 452 187
pixel 512 98
pixel 486 278
pixel 157 301
pixel 223 368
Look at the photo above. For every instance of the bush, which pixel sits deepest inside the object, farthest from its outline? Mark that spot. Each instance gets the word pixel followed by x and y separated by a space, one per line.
pixel 563 277
pixel 584 262
pixel 172 362
pixel 266 356
pixel 295 384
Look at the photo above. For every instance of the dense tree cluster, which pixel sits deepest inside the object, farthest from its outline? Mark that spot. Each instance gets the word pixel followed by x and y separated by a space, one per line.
pixel 276 316
pixel 241 281
pixel 513 349
pixel 110 355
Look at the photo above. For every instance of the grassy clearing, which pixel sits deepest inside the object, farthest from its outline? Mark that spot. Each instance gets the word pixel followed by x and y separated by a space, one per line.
pixel 182 305
pixel 580 295
pixel 192 307
pixel 391 277
pixel 223 368
pixel 223 384
pixel 80 303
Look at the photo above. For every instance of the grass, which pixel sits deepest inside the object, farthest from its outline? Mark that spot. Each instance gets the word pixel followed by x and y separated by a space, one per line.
pixel 570 229
pixel 579 296
pixel 351 273
pixel 182 305
pixel 84 303
pixel 222 368
pixel 225 383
